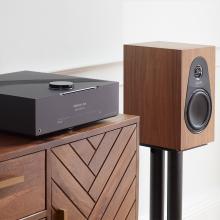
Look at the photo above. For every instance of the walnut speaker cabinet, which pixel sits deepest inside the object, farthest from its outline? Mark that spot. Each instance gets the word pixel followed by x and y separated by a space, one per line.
pixel 171 86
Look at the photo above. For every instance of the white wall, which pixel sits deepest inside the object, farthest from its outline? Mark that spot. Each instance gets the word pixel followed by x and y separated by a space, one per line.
pixel 172 20
pixel 48 35
pixel 51 35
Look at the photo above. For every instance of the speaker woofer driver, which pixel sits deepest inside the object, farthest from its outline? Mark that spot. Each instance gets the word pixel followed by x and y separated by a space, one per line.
pixel 199 111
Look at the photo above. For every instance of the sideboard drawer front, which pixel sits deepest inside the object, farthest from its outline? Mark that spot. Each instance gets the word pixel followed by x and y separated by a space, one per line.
pixel 22 186
pixel 96 177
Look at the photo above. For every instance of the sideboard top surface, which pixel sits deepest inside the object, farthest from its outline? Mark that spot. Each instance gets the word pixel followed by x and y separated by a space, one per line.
pixel 13 145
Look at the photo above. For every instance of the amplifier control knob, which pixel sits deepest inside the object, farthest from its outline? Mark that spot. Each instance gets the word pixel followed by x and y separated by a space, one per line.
pixel 61 85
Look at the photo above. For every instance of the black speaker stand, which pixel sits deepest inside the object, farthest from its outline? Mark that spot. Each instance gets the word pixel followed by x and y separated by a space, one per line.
pixel 174 184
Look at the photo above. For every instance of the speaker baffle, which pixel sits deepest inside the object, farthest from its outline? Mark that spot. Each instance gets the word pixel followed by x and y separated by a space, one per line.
pixel 199 111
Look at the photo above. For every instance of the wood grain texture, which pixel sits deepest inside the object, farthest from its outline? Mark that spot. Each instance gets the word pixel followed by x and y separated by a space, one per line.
pixel 149 93
pixel 48 184
pixel 96 140
pixel 137 172
pixel 127 204
pixel 121 191
pixel 69 171
pixel 112 182
pixel 84 149
pixel 119 146
pixel 103 150
pixel 36 216
pixel 71 187
pixel 11 181
pixel 12 145
pixel 27 197
pixel 75 165
pixel 60 201
pixel 132 213
pixel 155 84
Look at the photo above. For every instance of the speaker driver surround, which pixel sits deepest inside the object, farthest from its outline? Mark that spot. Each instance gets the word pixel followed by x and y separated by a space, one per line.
pixel 199 111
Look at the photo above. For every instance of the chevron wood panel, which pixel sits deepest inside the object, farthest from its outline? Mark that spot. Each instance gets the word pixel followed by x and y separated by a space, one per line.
pixel 132 213
pixel 59 199
pixel 99 183
pixel 118 170
pixel 95 140
pixel 103 150
pixel 84 150
pixel 71 187
pixel 113 183
pixel 75 165
pixel 121 191
pixel 127 203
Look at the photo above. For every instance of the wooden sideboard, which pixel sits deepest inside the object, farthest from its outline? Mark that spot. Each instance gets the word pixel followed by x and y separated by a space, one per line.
pixel 86 173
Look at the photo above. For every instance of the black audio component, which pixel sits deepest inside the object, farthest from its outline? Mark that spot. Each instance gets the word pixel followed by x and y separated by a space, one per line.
pixel 34 103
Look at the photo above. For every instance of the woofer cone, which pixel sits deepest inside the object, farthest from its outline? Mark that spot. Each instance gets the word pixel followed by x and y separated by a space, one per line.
pixel 199 111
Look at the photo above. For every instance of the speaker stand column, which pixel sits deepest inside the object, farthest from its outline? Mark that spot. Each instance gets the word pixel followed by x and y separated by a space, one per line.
pixel 174 185
pixel 157 184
